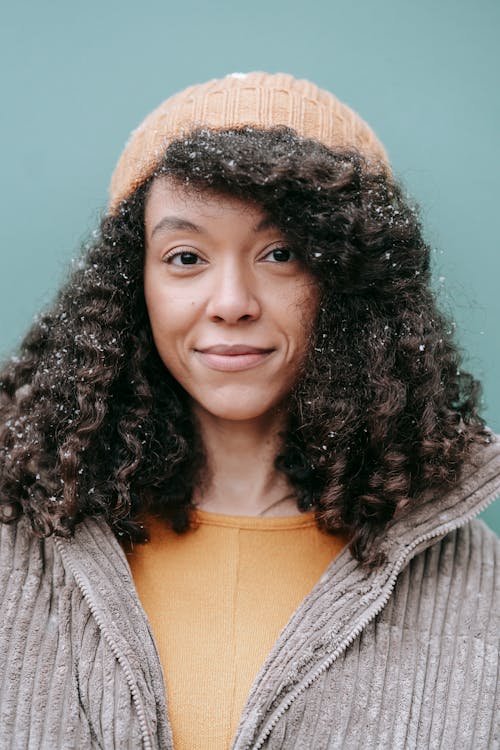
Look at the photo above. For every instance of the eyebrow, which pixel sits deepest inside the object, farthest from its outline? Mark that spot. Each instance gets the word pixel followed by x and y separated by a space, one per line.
pixel 176 223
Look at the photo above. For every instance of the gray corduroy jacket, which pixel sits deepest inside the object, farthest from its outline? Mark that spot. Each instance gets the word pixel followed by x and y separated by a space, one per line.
pixel 406 656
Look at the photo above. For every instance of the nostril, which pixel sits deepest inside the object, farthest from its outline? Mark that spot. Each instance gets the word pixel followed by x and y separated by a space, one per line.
pixel 225 319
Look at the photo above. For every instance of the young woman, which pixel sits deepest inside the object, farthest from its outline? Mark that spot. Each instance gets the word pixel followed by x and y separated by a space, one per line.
pixel 240 461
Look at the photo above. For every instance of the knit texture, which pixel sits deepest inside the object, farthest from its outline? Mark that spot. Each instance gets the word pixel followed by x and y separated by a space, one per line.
pixel 257 99
pixel 406 656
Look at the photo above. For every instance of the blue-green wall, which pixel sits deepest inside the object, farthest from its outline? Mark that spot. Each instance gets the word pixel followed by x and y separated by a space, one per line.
pixel 79 77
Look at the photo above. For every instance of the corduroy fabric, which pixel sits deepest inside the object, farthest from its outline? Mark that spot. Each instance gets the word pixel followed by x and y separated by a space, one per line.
pixel 257 99
pixel 406 656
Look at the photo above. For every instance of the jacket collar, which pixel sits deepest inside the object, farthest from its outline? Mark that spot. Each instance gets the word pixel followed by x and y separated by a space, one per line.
pixel 342 602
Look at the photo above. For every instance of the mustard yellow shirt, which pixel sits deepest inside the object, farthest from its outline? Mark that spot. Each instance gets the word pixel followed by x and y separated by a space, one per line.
pixel 217 597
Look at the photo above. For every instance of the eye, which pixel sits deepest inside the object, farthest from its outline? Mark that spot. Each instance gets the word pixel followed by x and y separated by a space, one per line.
pixel 186 257
pixel 282 254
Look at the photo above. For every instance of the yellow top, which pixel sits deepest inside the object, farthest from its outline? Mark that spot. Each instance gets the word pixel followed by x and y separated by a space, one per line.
pixel 217 598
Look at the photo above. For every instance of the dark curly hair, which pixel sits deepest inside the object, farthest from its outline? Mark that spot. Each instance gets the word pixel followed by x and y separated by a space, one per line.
pixel 92 422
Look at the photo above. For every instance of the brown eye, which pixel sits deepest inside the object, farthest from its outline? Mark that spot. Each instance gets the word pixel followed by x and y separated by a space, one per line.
pixel 187 258
pixel 282 254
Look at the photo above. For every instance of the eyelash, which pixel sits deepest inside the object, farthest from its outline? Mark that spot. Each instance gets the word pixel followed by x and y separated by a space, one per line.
pixel 177 253
pixel 174 254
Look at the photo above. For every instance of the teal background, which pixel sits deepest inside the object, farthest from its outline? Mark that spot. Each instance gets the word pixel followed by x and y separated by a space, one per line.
pixel 79 77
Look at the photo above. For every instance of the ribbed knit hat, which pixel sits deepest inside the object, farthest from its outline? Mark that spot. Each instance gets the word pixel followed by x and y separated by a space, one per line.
pixel 240 99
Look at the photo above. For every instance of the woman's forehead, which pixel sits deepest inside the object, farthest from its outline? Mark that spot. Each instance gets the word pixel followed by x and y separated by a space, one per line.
pixel 177 206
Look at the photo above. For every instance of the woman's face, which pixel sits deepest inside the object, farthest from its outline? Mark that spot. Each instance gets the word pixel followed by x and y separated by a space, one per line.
pixel 218 274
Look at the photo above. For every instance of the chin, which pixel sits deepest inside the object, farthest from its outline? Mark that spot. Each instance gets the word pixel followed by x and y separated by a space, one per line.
pixel 233 408
pixel 238 415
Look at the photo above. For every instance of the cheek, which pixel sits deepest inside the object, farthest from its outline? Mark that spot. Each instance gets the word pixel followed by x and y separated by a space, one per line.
pixel 157 306
pixel 165 316
pixel 165 310
pixel 304 313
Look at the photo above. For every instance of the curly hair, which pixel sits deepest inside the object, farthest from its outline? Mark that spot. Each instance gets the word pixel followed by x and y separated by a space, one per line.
pixel 92 422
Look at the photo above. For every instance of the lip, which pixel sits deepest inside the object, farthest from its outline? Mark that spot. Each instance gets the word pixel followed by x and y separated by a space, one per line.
pixel 233 362
pixel 233 349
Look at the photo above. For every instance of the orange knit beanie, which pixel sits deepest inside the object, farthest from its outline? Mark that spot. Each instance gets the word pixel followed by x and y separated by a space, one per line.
pixel 239 99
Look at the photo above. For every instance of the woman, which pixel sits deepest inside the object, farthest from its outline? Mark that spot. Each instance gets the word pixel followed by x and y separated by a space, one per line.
pixel 240 460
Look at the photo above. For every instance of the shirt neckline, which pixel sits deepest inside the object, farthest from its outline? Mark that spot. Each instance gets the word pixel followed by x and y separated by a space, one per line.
pixel 264 523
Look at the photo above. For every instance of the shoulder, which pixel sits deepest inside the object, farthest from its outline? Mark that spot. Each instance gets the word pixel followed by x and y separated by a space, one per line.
pixel 27 564
pixel 474 551
pixel 453 586
pixel 18 546
pixel 472 554
pixel 475 536
pixel 469 553
pixel 17 540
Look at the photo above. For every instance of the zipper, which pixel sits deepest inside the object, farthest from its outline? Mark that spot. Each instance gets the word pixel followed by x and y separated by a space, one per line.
pixel 131 682
pixel 326 663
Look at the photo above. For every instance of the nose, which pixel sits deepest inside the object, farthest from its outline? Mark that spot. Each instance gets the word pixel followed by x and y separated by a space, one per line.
pixel 233 294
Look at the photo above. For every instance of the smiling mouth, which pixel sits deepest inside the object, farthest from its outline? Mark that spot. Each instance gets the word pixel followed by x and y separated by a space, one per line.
pixel 233 362
pixel 234 349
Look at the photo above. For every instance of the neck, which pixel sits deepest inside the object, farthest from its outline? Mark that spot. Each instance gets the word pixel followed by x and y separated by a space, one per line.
pixel 242 479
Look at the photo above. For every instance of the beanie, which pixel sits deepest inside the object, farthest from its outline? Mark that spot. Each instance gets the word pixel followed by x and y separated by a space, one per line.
pixel 242 99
